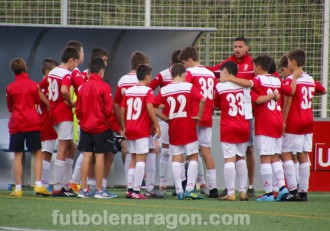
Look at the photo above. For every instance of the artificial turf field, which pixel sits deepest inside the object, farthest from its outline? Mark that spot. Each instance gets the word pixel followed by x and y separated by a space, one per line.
pixel 35 213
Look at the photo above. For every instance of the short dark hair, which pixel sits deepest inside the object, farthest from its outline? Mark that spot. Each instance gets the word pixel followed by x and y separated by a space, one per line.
pixel 242 38
pixel 18 66
pixel 272 67
pixel 48 65
pixel 74 43
pixel 297 55
pixel 264 61
pixel 189 52
pixel 96 65
pixel 142 71
pixel 177 69
pixel 68 53
pixel 283 62
pixel 138 58
pixel 98 53
pixel 231 67
pixel 175 56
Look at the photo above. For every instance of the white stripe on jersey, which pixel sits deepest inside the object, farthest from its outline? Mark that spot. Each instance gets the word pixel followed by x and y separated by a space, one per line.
pixel 305 79
pixel 269 81
pixel 175 88
pixel 225 87
pixel 58 73
pixel 200 71
pixel 138 90
pixel 128 79
pixel 166 75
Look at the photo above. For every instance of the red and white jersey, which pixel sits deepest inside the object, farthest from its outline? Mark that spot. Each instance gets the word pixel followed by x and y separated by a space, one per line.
pixel 178 99
pixel 124 83
pixel 204 81
pixel 162 79
pixel 59 110
pixel 47 131
pixel 85 74
pixel 76 80
pixel 268 116
pixel 300 117
pixel 234 128
pixel 138 122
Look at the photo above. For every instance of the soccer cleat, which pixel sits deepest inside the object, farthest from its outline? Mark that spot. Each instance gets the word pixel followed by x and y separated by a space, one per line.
pixel 83 194
pixel 214 193
pixel 180 196
pixel 291 197
pixel 41 190
pixel 223 193
pixel 282 194
pixel 129 194
pixel 303 197
pixel 203 189
pixel 227 197
pixel 153 194
pixel 101 195
pixel 266 198
pixel 192 195
pixel 18 193
pixel 63 193
pixel 50 189
pixel 75 187
pixel 138 196
pixel 110 194
pixel 243 196
pixel 162 192
pixel 275 194
pixel 251 193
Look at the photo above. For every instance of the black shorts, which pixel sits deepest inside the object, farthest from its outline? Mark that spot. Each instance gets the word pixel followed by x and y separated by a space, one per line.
pixel 32 140
pixel 97 143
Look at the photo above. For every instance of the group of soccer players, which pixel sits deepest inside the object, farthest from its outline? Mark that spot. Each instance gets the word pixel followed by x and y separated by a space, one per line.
pixel 189 92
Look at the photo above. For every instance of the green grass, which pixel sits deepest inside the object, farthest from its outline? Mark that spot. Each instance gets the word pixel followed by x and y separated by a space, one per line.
pixel 31 212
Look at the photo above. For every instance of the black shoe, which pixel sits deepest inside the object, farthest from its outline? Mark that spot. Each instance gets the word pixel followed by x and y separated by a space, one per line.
pixel 174 193
pixel 303 197
pixel 214 193
pixel 223 193
pixel 291 197
pixel 64 193
pixel 250 193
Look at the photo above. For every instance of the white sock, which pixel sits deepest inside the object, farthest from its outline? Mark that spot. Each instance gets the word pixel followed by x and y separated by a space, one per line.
pixel 279 173
pixel 163 167
pixel 38 183
pixel 59 174
pixel 76 175
pixel 275 183
pixel 296 166
pixel 192 175
pixel 230 174
pixel 266 177
pixel 242 174
pixel 104 183
pixel 91 182
pixel 130 177
pixel 176 172
pixel 290 175
pixel 138 175
pixel 18 187
pixel 68 171
pixel 211 175
pixel 303 177
pixel 150 171
pixel 200 176
pixel 45 173
pixel 183 172
pixel 128 159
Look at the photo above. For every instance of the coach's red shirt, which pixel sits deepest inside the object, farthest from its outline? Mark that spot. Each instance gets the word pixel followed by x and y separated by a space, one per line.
pixel 95 107
pixel 22 100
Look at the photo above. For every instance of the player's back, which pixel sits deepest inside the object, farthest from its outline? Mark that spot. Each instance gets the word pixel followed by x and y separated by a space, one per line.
pixel 204 81
pixel 300 117
pixel 268 116
pixel 124 83
pixel 177 98
pixel 162 79
pixel 234 128
pixel 138 123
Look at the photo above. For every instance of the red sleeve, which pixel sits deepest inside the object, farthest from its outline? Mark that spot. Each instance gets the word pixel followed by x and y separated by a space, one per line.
pixel 254 95
pixel 43 84
pixel 77 79
pixel 217 100
pixel 214 68
pixel 150 97
pixel 9 106
pixel 78 110
pixel 124 103
pixel 286 89
pixel 158 100
pixel 118 96
pixel 114 125
pixel 66 81
pixel 318 87
pixel 157 81
pixel 196 95
pixel 256 83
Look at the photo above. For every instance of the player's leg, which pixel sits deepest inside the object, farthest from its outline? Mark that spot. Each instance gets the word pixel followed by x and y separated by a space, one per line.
pixel 241 171
pixel 17 145
pixel 99 173
pixel 191 150
pixel 150 169
pixel 177 159
pixel 205 139
pixel 164 156
pixel 76 175
pixel 87 158
pixel 250 161
pixel 278 172
pixel 131 167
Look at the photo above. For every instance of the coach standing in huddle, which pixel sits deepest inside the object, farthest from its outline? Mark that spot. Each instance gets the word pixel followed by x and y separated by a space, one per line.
pixel 245 71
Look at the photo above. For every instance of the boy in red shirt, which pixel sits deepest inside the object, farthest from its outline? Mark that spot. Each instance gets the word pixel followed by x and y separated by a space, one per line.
pixel 138 117
pixel 22 101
